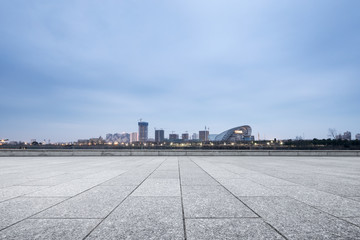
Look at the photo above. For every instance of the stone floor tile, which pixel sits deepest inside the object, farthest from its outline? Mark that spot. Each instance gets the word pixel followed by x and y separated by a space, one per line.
pixel 212 201
pixel 20 208
pixel 95 203
pixel 297 220
pixel 237 228
pixel 61 229
pixel 143 218
pixel 158 187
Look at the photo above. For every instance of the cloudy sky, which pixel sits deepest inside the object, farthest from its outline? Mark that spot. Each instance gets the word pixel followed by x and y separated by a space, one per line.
pixel 80 69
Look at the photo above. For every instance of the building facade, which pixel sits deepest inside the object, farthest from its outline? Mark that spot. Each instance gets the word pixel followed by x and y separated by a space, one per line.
pixel 242 133
pixel 185 136
pixel 159 135
pixel 133 137
pixel 357 136
pixel 347 136
pixel 143 131
pixel 173 136
pixel 204 136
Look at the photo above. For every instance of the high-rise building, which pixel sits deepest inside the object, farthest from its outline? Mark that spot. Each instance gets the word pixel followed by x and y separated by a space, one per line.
pixel 347 136
pixel 159 135
pixel 173 136
pixel 185 136
pixel 357 136
pixel 194 136
pixel 134 137
pixel 204 135
pixel 143 131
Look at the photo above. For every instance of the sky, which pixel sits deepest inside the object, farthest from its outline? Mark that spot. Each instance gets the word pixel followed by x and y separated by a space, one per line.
pixel 78 69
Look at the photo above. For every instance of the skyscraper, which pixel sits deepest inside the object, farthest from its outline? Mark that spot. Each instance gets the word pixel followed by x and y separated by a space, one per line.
pixel 185 136
pixel 173 136
pixel 159 135
pixel 143 131
pixel 204 136
pixel 347 136
pixel 134 137
pixel 357 136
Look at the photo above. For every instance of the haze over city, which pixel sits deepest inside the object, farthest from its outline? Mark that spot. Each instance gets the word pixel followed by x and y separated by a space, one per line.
pixel 72 70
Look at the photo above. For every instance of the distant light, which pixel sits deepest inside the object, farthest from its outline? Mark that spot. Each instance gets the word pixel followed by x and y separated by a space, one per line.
pixel 268 143
pixel 238 131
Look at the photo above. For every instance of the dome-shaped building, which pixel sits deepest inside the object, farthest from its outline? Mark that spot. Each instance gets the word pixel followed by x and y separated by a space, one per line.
pixel 242 133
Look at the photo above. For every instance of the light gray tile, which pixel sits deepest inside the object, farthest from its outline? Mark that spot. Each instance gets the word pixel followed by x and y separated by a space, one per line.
pixel 143 218
pixel 95 203
pixel 330 203
pixel 16 191
pixel 165 174
pixel 198 229
pixel 20 208
pixel 61 229
pixel 66 189
pixel 212 201
pixel 245 187
pixel 296 220
pixel 158 187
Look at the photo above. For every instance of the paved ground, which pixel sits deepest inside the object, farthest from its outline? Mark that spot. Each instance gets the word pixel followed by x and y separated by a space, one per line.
pixel 179 197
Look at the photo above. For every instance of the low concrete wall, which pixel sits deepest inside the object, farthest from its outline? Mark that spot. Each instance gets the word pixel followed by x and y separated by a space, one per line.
pixel 115 152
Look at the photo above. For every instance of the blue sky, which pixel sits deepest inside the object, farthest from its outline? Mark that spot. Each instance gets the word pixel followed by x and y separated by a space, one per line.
pixel 80 69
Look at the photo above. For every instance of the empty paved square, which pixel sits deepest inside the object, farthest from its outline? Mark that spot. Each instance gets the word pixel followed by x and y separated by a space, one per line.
pixel 179 198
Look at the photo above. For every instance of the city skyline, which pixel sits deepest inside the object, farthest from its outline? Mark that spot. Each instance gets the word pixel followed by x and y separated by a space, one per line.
pixel 76 70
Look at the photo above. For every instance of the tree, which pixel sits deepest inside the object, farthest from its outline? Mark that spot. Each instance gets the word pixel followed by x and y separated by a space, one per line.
pixel 332 133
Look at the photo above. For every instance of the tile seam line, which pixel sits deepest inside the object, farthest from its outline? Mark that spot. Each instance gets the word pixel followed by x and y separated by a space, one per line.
pixel 284 179
pixel 324 212
pixel 277 231
pixel 270 187
pixel 287 196
pixel 58 202
pixel 182 200
pixel 97 225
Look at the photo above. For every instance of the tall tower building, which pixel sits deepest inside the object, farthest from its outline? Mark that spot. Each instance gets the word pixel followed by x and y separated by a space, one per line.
pixel 204 136
pixel 357 136
pixel 173 136
pixel 143 131
pixel 347 136
pixel 185 136
pixel 134 137
pixel 159 135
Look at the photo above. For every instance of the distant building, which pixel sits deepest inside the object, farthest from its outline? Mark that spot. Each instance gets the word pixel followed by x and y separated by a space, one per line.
pixel 83 141
pixel 212 137
pixel 117 138
pixel 108 137
pixel 204 136
pixel 159 135
pixel 242 133
pixel 195 136
pixel 185 136
pixel 347 136
pixel 173 136
pixel 357 136
pixel 96 141
pixel 143 131
pixel 134 137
